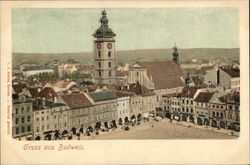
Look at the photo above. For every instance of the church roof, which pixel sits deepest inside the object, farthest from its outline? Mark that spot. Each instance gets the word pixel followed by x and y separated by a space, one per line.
pixel 165 74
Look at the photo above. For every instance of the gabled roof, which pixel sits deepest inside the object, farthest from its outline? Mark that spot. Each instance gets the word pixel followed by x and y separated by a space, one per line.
pixel 216 97
pixel 164 74
pixel 33 92
pixel 18 88
pixel 76 100
pixel 188 91
pixel 204 97
pixel 102 96
pixel 47 93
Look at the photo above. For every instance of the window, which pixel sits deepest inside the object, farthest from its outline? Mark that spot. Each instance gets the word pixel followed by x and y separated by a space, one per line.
pixel 47 117
pixel 100 74
pixel 236 108
pixel 183 101
pixel 47 126
pixel 28 109
pixel 109 54
pixel 16 110
pixel 213 114
pixel 23 119
pixel 17 120
pixel 221 115
pixel 17 130
pixel 54 117
pixel 110 73
pixel 28 119
pixel 55 126
pixel 99 64
pixel 23 129
pixel 187 102
pixel 230 107
pixel 217 114
pixel 137 73
pixel 109 64
pixel 37 119
pixel 99 54
pixel 191 110
pixel 22 110
pixel 42 118
pixel 65 124
pixel 187 109
pixel 42 127
pixel 192 102
pixel 37 129
pixel 29 128
pixel 183 109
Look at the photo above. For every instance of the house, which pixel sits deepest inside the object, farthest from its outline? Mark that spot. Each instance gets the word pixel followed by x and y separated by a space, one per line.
pixel 104 109
pixel 225 76
pixel 81 110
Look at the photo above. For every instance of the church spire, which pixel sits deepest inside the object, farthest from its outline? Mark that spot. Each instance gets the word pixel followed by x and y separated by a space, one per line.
pixel 175 55
pixel 104 30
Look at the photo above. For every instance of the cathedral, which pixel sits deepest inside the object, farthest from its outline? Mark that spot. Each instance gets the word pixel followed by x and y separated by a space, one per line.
pixel 104 52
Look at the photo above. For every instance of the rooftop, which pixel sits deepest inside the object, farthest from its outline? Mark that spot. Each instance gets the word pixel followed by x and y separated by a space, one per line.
pixel 102 96
pixel 204 97
pixel 76 100
pixel 164 74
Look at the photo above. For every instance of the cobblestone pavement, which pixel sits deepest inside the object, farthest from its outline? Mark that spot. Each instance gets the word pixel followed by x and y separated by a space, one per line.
pixel 165 130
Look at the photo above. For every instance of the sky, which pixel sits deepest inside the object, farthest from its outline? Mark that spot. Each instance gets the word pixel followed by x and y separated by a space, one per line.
pixel 62 30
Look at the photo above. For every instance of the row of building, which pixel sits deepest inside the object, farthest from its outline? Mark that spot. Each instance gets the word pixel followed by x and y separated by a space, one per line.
pixel 46 113
pixel 204 107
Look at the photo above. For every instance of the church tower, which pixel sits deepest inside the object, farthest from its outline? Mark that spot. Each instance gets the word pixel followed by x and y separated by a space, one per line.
pixel 175 55
pixel 104 52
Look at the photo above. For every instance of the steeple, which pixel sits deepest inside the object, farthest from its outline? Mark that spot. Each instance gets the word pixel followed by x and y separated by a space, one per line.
pixel 175 55
pixel 104 52
pixel 104 30
pixel 187 80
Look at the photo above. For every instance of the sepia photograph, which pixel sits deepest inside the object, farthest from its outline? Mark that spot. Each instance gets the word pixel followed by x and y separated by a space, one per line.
pixel 82 79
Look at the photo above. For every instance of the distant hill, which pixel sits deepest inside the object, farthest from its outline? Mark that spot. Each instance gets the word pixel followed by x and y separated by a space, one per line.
pixel 131 56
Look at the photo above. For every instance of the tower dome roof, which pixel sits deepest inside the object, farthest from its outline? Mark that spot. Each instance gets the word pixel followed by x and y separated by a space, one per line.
pixel 104 30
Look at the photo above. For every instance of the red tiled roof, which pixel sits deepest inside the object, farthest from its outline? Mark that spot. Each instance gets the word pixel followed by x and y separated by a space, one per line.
pixel 165 74
pixel 76 100
pixel 204 96
pixel 33 92
pixel 47 93
pixel 188 91
pixel 18 88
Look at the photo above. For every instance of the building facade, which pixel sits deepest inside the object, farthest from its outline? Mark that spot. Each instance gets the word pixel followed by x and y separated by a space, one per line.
pixel 22 117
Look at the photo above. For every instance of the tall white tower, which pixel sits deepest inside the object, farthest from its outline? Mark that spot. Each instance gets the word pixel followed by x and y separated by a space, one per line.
pixel 104 53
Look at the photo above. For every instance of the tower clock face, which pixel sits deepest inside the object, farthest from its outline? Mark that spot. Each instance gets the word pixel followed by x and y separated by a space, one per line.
pixel 109 45
pixel 99 46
